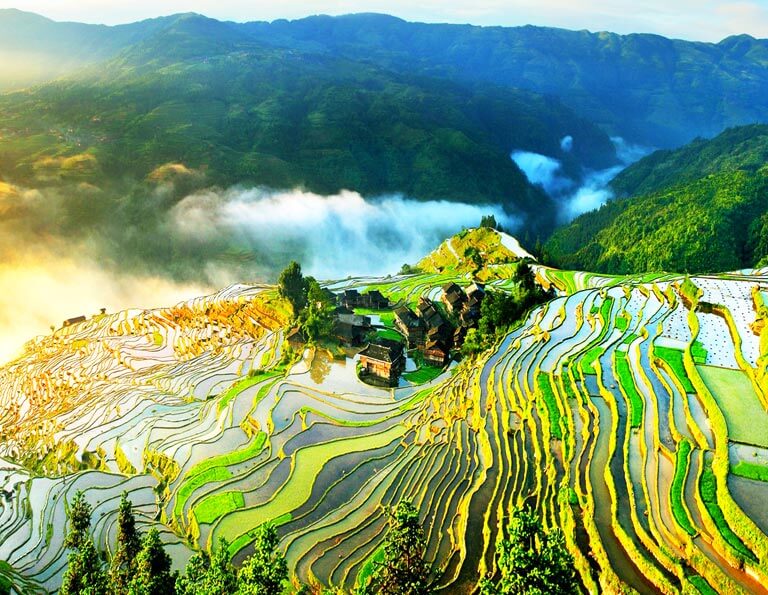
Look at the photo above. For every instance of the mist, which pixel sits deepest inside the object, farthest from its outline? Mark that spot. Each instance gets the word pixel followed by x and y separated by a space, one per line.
pixel 575 197
pixel 67 251
pixel 332 236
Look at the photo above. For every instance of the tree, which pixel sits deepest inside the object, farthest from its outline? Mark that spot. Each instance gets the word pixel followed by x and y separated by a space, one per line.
pixel 206 575
pixel 489 221
pixel 525 277
pixel 532 561
pixel 79 522
pixel 293 287
pixel 152 575
pixel 85 573
pixel 128 547
pixel 265 571
pixel 404 570
pixel 317 317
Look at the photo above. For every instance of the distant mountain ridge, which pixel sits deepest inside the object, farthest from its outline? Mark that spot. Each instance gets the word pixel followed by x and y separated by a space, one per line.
pixel 649 89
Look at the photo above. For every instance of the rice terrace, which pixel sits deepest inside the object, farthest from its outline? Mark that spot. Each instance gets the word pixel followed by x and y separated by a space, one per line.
pixel 630 411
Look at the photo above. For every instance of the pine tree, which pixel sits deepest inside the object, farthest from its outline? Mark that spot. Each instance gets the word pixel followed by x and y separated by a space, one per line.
pixel 153 568
pixel 85 572
pixel 79 522
pixel 404 570
pixel 128 547
pixel 533 561
pixel 266 570
pixel 206 575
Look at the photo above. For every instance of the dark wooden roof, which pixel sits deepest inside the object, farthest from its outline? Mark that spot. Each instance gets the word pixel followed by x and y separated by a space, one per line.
pixel 383 350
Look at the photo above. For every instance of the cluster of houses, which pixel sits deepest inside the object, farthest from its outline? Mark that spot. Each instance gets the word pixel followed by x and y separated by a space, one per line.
pixel 424 328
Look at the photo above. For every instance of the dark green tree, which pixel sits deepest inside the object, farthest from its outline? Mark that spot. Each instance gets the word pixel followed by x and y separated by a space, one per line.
pixel 293 287
pixel 532 561
pixel 206 575
pixel 153 568
pixel 404 570
pixel 79 514
pixel 85 573
pixel 525 277
pixel 317 317
pixel 123 562
pixel 489 221
pixel 265 571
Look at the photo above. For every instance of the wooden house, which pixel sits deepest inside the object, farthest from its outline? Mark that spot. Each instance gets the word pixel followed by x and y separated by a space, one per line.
pixel 411 326
pixel 436 354
pixel 453 297
pixel 383 360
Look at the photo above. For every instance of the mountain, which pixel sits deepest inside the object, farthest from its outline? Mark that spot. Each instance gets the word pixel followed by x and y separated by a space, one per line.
pixel 649 89
pixel 202 93
pixel 34 49
pixel 701 208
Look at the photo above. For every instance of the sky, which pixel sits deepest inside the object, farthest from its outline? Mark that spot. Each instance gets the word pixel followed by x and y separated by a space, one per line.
pixel 704 20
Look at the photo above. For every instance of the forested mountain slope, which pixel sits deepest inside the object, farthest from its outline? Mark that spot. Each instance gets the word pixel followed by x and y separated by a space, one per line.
pixel 702 208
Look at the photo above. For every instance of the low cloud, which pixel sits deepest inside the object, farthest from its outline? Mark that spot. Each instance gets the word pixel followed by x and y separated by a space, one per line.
pixel 73 250
pixel 575 197
pixel 333 236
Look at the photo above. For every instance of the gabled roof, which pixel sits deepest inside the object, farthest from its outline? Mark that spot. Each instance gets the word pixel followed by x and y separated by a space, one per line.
pixel 383 350
pixel 407 318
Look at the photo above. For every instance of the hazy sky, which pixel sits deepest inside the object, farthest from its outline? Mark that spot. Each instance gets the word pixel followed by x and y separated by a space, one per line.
pixel 708 20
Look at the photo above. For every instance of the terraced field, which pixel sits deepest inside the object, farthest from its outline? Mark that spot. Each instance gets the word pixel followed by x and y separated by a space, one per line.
pixel 617 410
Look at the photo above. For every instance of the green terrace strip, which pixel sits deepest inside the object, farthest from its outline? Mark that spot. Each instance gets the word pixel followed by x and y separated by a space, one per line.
pixel 550 401
pixel 627 382
pixel 415 400
pixel 750 470
pixel 243 384
pixel 702 586
pixel 698 353
pixel 242 542
pixel 674 360
pixel 708 489
pixel 306 465
pixel 215 506
pixel 387 317
pixel 587 361
pixel 423 375
pixel 215 469
pixel 682 461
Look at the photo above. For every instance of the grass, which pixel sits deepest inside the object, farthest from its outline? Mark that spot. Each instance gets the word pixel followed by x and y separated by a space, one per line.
pixel 750 470
pixel 682 458
pixel 214 506
pixel 423 375
pixel 674 360
pixel 627 382
pixel 708 489
pixel 387 317
pixel 189 486
pixel 702 586
pixel 745 417
pixel 390 334
pixel 699 353
pixel 415 399
pixel 622 322
pixel 550 400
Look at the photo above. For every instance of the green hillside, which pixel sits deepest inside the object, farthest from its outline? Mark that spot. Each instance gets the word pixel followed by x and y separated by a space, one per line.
pixel 202 94
pixel 699 209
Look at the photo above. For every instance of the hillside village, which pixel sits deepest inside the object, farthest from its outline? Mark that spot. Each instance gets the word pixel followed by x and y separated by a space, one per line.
pixel 432 331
